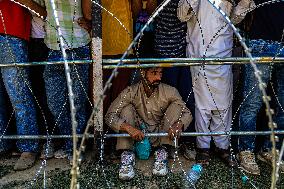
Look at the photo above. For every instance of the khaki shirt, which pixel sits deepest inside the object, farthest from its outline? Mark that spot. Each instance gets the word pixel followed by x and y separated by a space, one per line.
pixel 151 110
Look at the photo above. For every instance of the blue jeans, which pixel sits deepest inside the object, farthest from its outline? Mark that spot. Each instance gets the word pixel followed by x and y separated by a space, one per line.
pixel 57 92
pixel 16 81
pixel 253 103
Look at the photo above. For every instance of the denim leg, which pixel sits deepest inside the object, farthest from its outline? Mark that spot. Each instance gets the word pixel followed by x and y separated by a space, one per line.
pixel 251 105
pixel 279 114
pixel 16 81
pixel 3 117
pixel 57 92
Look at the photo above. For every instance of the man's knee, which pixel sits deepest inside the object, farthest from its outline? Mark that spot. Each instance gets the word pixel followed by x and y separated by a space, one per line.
pixel 128 113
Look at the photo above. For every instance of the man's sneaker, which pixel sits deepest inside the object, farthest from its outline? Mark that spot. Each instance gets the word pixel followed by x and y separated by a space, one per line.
pixel 47 151
pixel 126 170
pixel 188 151
pixel 247 162
pixel 61 154
pixel 266 156
pixel 26 161
pixel 161 162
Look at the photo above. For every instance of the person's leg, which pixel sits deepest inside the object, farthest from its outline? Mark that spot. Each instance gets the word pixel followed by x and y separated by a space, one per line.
pixel 57 93
pixel 16 80
pixel 221 121
pixel 80 79
pixel 57 96
pixel 125 144
pixel 4 144
pixel 202 122
pixel 130 115
pixel 251 104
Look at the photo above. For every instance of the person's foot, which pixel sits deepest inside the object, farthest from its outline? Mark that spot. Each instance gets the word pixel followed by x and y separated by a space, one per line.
pixel 203 156
pixel 80 160
pixel 126 170
pixel 161 162
pixel 188 151
pixel 225 156
pixel 47 151
pixel 61 154
pixel 266 156
pixel 171 150
pixel 26 160
pixel 248 163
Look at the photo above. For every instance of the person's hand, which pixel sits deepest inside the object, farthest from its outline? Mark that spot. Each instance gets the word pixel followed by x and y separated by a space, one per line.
pixel 85 24
pixel 175 130
pixel 135 134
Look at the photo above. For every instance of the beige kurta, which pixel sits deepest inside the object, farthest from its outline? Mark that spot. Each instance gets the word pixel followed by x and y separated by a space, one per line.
pixel 151 110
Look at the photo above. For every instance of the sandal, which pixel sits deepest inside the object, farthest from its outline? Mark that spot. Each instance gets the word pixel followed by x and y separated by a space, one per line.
pixel 202 156
pixel 224 155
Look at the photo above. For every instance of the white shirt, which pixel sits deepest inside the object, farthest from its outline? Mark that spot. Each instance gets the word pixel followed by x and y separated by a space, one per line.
pixel 37 30
pixel 209 35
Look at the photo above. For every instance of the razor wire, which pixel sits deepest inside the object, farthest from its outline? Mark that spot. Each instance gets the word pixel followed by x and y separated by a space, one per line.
pixel 157 66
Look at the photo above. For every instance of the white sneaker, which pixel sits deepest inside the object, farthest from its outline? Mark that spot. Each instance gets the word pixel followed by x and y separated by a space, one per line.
pixel 161 162
pixel 126 170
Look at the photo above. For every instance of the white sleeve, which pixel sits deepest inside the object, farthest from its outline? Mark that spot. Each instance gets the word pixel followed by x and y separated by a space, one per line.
pixel 241 10
pixel 186 9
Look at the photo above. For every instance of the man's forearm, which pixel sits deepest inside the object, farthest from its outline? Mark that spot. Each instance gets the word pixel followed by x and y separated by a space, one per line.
pixel 87 9
pixel 33 6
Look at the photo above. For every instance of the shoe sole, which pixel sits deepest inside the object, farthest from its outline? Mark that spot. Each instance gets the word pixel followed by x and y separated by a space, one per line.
pixel 249 172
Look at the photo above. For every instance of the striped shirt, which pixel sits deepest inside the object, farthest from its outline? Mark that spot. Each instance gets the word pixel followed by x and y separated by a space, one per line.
pixel 68 13
pixel 170 33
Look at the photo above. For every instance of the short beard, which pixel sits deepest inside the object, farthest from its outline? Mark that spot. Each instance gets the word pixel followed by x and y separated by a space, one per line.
pixel 155 85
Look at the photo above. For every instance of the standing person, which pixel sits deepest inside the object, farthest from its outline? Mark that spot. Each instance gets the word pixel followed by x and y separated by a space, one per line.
pixel 212 85
pixel 265 40
pixel 14 35
pixel 38 52
pixel 76 43
pixel 170 42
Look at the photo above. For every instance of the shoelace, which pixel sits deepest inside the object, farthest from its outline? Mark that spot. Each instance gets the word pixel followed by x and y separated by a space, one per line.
pixel 249 158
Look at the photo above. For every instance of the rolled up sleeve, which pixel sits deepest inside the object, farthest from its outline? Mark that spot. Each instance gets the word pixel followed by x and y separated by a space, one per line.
pixel 186 9
pixel 241 10
pixel 112 118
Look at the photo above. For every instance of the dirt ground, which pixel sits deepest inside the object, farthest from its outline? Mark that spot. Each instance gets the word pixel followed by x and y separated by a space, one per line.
pixel 105 175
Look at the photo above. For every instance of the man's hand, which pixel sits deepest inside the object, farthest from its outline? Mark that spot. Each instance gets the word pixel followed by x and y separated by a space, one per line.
pixel 175 130
pixel 135 134
pixel 83 23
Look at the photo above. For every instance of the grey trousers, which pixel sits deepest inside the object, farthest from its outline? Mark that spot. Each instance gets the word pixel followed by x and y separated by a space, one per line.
pixel 131 116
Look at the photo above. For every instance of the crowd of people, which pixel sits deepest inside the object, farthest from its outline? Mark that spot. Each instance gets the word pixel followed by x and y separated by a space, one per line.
pixel 152 100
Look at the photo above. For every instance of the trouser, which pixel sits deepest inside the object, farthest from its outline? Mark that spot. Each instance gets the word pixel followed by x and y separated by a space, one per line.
pixel 38 52
pixel 131 116
pixel 3 117
pixel 213 121
pixel 253 96
pixel 17 84
pixel 57 92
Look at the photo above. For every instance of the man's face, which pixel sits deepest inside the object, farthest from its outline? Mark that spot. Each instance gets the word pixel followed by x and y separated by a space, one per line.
pixel 153 77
